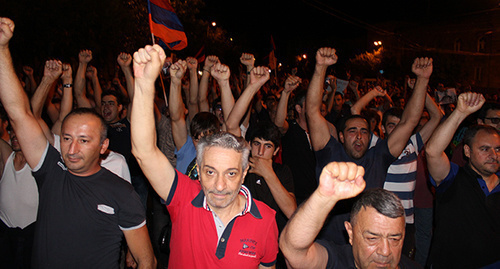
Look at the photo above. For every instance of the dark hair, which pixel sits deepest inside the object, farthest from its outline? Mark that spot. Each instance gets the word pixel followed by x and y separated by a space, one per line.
pixel 344 120
pixel 393 111
pixel 474 129
pixel 214 104
pixel 204 123
pixel 223 140
pixel 92 112
pixel 487 106
pixel 265 130
pixel 385 202
pixel 116 94
pixel 300 98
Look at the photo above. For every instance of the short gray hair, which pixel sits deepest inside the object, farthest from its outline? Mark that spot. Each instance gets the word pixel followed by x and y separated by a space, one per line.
pixel 223 140
pixel 385 202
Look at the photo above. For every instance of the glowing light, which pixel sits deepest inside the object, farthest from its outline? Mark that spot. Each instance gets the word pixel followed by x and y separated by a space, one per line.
pixel 214 24
pixel 304 56
pixel 377 43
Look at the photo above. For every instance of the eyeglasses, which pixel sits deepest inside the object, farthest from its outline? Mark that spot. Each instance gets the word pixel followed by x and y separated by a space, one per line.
pixel 493 120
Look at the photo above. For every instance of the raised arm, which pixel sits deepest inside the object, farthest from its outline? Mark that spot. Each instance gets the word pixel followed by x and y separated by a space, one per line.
pixel 437 161
pixel 51 72
pixel 221 74
pixel 96 86
pixel 30 79
pixel 258 77
pixel 285 199
pixel 14 99
pixel 318 126
pixel 337 181
pixel 67 98
pixel 203 90
pixel 84 57
pixel 176 105
pixel 156 167
pixel 291 83
pixel 192 105
pixel 248 60
pixel 422 67
pixel 366 99
pixel 435 116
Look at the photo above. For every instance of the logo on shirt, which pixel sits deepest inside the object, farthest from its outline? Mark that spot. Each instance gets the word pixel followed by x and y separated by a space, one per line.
pixel 106 209
pixel 248 248
pixel 258 182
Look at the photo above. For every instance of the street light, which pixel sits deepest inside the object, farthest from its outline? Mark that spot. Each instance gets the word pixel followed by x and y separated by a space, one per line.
pixel 214 24
pixel 377 43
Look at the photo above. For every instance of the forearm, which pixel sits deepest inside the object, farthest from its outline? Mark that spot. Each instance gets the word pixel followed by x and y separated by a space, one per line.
pixel 227 99
pixel 97 92
pixel 444 133
pixel 193 93
pixel 416 103
pixel 315 91
pixel 363 102
pixel 203 92
pixel 285 200
pixel 79 86
pixel 240 108
pixel 435 116
pixel 297 238
pixel 176 105
pixel 38 99
pixel 129 80
pixel 281 112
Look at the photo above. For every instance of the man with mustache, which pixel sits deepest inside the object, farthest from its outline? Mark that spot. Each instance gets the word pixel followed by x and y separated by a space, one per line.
pixel 467 216
pixel 215 221
pixel 376 229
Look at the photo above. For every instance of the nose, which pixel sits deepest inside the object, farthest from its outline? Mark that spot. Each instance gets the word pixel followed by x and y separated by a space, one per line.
pixel 261 150
pixel 383 248
pixel 220 183
pixel 73 147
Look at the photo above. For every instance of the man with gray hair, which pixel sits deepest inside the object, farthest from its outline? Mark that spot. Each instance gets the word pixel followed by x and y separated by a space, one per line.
pixel 376 229
pixel 215 221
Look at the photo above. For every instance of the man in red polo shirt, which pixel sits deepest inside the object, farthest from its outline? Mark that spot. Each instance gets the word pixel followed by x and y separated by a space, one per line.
pixel 215 221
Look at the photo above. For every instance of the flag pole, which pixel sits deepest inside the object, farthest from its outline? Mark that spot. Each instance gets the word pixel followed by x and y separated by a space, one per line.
pixel 153 41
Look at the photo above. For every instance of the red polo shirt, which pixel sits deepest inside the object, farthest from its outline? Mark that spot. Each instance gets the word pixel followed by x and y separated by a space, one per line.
pixel 247 241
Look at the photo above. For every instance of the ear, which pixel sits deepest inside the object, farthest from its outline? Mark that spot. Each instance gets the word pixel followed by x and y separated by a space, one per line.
pixel 348 227
pixel 298 108
pixel 341 137
pixel 480 121
pixel 120 108
pixel 383 128
pixel 276 151
pixel 104 146
pixel 467 151
pixel 245 174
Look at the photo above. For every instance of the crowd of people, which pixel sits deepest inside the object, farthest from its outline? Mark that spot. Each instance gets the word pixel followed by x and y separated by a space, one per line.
pixel 205 168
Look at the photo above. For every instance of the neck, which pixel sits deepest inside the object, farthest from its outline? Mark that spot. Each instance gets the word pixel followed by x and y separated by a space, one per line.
pixel 228 213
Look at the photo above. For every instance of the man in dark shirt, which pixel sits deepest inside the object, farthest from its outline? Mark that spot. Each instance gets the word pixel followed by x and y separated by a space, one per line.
pixel 376 229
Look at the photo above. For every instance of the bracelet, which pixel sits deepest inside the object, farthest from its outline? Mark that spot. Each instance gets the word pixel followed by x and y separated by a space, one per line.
pixel 206 70
pixel 69 85
pixel 248 72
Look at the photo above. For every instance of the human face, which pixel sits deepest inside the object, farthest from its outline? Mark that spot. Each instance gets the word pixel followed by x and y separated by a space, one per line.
pixel 110 109
pixel 323 110
pixel 376 240
pixel 219 114
pixel 390 124
pixel 493 116
pixel 263 148
pixel 221 177
pixel 355 137
pixel 484 153
pixel 13 141
pixel 338 102
pixel 81 144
